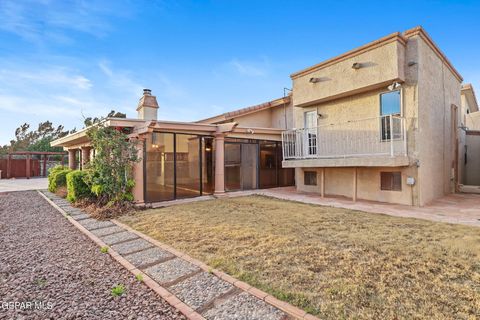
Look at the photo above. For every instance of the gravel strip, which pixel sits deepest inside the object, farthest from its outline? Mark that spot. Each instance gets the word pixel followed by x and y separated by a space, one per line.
pixel 118 237
pixel 131 246
pixel 148 257
pixel 106 231
pixel 200 289
pixel 171 270
pixel 244 307
pixel 46 259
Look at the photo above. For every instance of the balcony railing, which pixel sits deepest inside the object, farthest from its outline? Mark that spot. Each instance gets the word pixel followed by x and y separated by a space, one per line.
pixel 380 136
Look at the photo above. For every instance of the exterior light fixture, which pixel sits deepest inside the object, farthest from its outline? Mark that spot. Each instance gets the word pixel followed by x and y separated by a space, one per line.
pixel 356 65
pixel 314 80
pixel 394 86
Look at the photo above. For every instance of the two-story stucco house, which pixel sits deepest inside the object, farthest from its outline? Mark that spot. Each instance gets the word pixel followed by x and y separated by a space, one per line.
pixel 381 122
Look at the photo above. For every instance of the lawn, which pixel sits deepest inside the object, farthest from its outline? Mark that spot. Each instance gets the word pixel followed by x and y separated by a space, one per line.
pixel 334 263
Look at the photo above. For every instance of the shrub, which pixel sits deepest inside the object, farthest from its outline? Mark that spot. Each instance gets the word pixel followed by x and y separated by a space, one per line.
pixel 76 186
pixel 57 177
pixel 110 177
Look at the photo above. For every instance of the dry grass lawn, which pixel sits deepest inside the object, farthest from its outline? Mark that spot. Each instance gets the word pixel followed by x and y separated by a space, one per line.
pixel 334 263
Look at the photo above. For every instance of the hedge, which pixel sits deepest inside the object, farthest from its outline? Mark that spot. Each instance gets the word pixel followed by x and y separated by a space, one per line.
pixel 76 186
pixel 57 177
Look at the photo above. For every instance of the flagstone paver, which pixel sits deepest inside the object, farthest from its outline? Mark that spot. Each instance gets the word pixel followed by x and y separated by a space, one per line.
pixel 200 289
pixel 212 295
pixel 131 246
pixel 91 224
pixel 118 237
pixel 107 231
pixel 81 216
pixel 148 257
pixel 171 270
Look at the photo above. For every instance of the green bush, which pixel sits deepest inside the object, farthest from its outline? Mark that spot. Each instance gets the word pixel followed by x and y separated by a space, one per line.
pixel 57 177
pixel 76 186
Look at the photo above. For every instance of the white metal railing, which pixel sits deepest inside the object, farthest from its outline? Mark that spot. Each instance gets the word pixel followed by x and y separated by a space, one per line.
pixel 380 136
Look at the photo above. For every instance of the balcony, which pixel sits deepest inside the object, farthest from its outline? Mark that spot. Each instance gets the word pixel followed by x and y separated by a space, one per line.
pixel 379 141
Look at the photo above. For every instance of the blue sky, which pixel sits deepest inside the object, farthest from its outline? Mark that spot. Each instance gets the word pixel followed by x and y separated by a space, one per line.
pixel 60 60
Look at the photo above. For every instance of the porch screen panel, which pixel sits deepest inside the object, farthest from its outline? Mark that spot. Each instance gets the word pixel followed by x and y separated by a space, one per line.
pixel 233 162
pixel 188 165
pixel 268 164
pixel 159 167
pixel 286 176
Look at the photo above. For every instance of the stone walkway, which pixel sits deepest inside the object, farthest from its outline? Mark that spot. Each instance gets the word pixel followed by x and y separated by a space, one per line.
pixel 192 287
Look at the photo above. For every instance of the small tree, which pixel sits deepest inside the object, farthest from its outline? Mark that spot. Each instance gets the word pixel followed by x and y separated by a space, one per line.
pixel 110 171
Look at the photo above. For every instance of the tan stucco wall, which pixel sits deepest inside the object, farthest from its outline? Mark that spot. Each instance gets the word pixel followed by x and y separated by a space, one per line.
pixel 381 64
pixel 339 182
pixel 473 121
pixel 438 89
pixel 472 167
pixel 269 118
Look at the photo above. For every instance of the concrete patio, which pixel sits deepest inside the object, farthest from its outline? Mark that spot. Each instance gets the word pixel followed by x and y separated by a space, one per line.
pixel 460 208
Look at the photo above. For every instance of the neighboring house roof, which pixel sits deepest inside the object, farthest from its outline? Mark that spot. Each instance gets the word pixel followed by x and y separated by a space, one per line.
pixel 397 36
pixel 467 90
pixel 248 110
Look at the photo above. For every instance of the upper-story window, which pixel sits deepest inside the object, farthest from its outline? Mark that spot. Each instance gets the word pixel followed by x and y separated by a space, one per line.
pixel 310 124
pixel 390 105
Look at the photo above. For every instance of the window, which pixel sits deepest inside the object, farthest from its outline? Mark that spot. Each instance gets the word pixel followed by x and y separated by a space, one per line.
pixel 390 105
pixel 310 178
pixel 391 181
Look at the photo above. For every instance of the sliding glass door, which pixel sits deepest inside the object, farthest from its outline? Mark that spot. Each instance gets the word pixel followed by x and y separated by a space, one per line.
pixel 177 166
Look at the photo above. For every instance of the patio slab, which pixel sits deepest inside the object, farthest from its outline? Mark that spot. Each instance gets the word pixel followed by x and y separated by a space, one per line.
pixel 459 208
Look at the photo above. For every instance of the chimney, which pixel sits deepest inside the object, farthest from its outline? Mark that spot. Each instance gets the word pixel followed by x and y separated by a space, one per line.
pixel 147 106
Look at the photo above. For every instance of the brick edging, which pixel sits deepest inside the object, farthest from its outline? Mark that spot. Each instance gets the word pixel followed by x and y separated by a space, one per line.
pixel 284 306
pixel 149 282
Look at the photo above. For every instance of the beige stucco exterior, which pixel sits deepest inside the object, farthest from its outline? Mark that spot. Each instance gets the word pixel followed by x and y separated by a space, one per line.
pixel 430 92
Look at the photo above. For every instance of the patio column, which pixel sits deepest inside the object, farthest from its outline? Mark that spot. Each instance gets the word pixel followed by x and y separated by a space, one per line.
pixel 44 165
pixel 71 158
pixel 138 172
pixel 85 156
pixel 219 163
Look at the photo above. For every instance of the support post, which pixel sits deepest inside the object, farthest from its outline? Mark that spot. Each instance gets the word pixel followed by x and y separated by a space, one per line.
pixel 219 164
pixel 71 158
pixel 322 183
pixel 44 165
pixel 85 156
pixel 354 197
pixel 9 166
pixel 27 166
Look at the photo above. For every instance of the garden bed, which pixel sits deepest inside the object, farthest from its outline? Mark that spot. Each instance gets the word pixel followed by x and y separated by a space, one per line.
pixel 332 262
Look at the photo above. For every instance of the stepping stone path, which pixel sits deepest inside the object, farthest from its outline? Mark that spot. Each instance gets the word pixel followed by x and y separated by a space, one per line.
pixel 207 294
